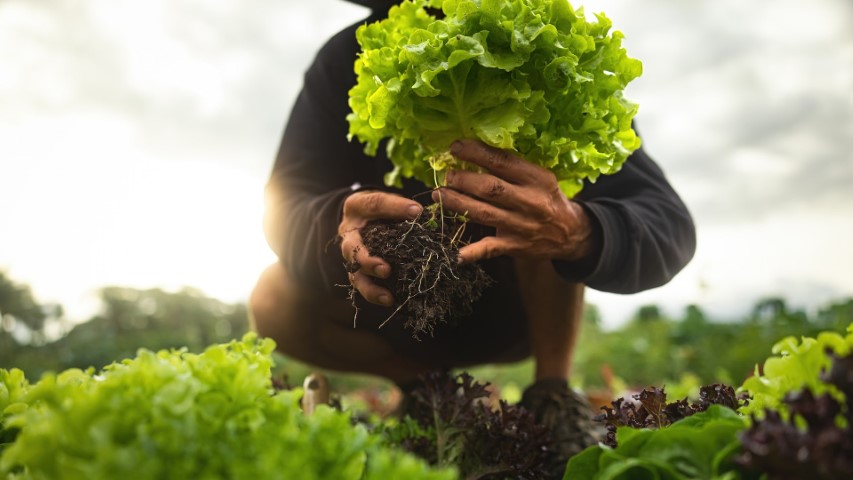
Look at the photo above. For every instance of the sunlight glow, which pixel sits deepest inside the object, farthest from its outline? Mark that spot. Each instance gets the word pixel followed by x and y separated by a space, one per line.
pixel 106 215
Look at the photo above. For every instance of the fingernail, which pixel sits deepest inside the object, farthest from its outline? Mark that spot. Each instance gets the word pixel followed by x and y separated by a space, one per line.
pixel 385 300
pixel 381 271
pixel 448 178
pixel 459 259
pixel 456 147
pixel 414 211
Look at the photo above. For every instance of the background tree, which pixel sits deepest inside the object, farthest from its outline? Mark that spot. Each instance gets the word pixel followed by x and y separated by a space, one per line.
pixel 650 349
pixel 129 319
pixel 19 309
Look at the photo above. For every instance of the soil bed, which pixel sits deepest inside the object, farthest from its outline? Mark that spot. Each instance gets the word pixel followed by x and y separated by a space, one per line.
pixel 428 284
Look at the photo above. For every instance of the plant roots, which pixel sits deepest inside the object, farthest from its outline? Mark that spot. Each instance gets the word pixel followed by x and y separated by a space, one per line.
pixel 429 285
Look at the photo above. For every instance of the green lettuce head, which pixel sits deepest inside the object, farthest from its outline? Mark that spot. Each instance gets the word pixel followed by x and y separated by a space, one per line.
pixel 531 76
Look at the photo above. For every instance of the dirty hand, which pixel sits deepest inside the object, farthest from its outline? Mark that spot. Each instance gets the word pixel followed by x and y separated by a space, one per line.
pixel 360 208
pixel 522 201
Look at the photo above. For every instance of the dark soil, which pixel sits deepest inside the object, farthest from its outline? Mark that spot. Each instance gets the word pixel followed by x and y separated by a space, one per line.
pixel 429 285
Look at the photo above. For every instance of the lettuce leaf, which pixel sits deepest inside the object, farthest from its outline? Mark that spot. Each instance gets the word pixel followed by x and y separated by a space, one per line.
pixel 698 446
pixel 531 76
pixel 177 415
pixel 796 365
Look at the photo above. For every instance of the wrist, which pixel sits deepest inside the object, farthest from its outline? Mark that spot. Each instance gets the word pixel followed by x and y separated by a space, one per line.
pixel 585 236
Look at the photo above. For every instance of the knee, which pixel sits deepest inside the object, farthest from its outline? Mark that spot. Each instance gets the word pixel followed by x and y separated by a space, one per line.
pixel 266 312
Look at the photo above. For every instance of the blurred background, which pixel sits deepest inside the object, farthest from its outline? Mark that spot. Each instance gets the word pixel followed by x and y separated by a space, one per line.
pixel 136 138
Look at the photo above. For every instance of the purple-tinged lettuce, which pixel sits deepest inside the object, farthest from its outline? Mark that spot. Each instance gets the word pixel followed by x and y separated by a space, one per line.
pixel 450 423
pixel 653 411
pixel 814 442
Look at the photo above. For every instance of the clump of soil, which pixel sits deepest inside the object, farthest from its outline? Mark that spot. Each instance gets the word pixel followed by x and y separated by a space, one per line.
pixel 429 285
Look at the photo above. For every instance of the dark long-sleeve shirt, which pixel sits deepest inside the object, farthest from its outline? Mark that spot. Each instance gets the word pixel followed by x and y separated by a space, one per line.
pixel 647 232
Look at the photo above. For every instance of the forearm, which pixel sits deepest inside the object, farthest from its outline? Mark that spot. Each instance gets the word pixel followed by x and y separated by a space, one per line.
pixel 314 169
pixel 301 229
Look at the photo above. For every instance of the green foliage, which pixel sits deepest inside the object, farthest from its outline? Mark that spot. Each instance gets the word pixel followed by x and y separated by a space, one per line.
pixel 130 319
pixel 533 76
pixel 798 365
pixel 810 381
pixel 21 313
pixel 16 300
pixel 13 387
pixel 653 349
pixel 698 446
pixel 814 442
pixel 679 353
pixel 174 414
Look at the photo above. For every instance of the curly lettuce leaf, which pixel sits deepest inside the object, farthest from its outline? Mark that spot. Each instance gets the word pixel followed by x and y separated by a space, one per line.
pixel 796 365
pixel 13 390
pixel 531 76
pixel 177 415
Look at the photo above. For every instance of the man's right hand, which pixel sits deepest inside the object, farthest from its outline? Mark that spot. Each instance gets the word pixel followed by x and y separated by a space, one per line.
pixel 360 208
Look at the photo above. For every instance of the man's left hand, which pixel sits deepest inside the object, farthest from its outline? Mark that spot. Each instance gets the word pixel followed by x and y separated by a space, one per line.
pixel 523 202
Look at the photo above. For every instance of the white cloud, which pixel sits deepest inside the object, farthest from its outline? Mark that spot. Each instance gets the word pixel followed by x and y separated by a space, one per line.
pixel 128 145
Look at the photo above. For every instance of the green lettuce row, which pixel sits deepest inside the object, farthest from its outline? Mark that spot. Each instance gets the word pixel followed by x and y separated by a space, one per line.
pixel 176 415
pixel 532 76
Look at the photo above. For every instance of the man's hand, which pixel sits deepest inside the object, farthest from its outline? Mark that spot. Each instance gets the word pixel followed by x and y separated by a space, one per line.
pixel 523 202
pixel 360 208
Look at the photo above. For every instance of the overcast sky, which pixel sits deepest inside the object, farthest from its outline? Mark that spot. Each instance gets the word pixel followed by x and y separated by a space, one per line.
pixel 136 136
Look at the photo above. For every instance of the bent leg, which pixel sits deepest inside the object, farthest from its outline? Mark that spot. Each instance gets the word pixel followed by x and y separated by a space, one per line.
pixel 554 308
pixel 319 330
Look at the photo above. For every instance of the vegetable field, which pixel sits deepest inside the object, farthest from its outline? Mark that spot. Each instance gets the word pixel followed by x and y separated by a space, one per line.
pixel 173 414
pixel 537 79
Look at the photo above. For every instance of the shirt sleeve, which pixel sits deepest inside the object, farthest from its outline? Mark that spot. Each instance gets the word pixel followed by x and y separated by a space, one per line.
pixel 647 232
pixel 315 171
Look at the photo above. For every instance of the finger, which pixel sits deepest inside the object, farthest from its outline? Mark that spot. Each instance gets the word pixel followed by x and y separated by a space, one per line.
pixel 495 190
pixel 489 188
pixel 488 247
pixel 371 292
pixel 368 206
pixel 350 244
pixel 373 266
pixel 355 253
pixel 500 163
pixel 481 212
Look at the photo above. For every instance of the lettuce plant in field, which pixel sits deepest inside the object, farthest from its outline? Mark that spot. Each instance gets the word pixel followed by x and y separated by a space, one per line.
pixel 814 442
pixel 176 415
pixel 796 364
pixel 698 446
pixel 802 410
pixel 531 76
pixel 655 412
pixel 449 423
